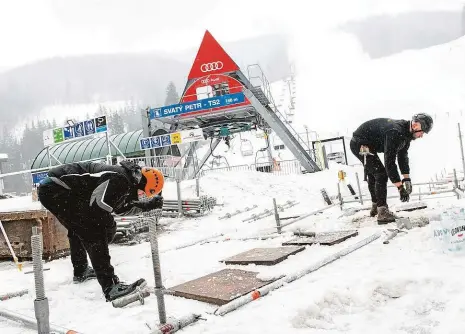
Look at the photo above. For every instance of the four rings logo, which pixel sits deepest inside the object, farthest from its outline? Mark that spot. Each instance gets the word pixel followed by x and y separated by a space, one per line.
pixel 217 65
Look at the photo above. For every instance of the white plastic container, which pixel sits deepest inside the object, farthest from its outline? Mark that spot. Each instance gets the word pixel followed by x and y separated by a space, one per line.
pixel 450 233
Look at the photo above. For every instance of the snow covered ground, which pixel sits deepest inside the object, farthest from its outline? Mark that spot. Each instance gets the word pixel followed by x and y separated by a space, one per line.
pixel 408 286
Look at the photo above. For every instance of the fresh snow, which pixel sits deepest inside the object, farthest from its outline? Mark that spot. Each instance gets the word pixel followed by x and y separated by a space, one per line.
pixel 408 286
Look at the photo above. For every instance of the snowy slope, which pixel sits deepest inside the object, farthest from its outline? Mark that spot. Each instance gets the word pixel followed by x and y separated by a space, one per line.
pixel 357 294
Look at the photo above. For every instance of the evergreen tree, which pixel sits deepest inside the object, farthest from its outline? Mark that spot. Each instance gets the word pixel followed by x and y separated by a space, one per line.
pixel 172 96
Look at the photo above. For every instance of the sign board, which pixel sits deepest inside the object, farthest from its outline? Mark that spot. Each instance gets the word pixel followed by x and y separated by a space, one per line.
pixel 175 138
pixel 199 105
pixel 82 129
pixel 37 177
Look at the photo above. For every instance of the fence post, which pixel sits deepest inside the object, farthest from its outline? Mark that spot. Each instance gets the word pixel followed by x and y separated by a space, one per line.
pixel 178 188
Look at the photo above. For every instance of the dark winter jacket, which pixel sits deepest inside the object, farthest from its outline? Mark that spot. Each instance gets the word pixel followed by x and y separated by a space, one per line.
pixel 388 136
pixel 111 188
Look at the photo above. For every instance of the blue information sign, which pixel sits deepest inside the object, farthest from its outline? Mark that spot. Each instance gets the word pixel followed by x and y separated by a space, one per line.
pixel 37 177
pixel 184 108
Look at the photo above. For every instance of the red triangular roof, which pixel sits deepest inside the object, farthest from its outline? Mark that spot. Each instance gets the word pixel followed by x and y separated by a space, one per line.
pixel 211 52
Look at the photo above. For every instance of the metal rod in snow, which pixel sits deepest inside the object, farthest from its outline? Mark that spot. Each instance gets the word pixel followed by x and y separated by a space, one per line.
pixel 360 195
pixel 156 266
pixel 192 243
pixel 173 325
pixel 31 323
pixel 429 193
pixel 309 214
pixel 10 295
pixel 461 150
pixel 276 216
pixel 256 294
pixel 339 195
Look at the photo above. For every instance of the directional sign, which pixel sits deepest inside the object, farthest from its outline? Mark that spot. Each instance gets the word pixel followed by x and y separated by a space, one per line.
pixel 68 132
pixel 184 108
pixel 101 124
pixel 89 127
pixel 82 129
pixel 37 177
pixel 175 138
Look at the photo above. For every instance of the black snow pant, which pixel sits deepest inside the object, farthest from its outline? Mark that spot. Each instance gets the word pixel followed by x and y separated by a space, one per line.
pixel 375 173
pixel 89 230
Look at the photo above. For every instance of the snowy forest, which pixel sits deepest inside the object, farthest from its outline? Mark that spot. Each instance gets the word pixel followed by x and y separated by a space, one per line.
pixel 22 152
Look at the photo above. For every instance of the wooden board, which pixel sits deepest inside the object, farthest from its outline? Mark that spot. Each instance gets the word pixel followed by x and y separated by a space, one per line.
pixel 263 256
pixel 220 287
pixel 322 238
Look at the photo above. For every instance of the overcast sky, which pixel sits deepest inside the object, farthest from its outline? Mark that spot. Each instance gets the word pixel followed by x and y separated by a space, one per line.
pixel 35 29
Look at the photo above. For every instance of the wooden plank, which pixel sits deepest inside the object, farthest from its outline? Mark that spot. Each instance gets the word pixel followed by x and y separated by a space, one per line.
pixel 220 287
pixel 322 238
pixel 263 256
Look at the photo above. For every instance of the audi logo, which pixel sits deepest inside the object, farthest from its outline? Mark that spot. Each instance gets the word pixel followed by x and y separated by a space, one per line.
pixel 217 65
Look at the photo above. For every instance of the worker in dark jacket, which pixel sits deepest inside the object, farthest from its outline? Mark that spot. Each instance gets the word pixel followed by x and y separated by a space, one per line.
pixel 83 197
pixel 391 137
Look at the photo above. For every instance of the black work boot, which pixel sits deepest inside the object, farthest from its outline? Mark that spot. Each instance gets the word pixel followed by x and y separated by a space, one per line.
pixel 385 216
pixel 118 289
pixel 87 274
pixel 374 210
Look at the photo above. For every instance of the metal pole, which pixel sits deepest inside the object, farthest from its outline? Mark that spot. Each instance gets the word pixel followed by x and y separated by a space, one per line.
pixel 178 188
pixel 156 266
pixel 197 186
pixel 109 148
pixel 461 150
pixel 359 189
pixel 49 157
pixel 276 216
pixel 1 180
pixel 456 182
pixel 339 195
pixel 41 307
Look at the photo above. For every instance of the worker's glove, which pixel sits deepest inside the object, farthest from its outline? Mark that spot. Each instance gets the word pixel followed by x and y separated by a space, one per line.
pixel 407 184
pixel 404 196
pixel 153 203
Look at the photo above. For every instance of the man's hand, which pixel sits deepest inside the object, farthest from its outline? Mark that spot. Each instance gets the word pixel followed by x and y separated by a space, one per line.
pixel 153 203
pixel 404 196
pixel 407 184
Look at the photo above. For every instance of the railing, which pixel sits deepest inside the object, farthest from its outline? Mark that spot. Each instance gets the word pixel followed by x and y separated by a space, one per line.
pixel 285 167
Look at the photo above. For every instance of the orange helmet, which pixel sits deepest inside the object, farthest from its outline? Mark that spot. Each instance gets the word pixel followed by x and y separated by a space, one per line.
pixel 154 181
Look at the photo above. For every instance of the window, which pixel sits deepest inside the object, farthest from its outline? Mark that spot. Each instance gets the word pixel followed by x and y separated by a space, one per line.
pixel 217 89
pixel 204 92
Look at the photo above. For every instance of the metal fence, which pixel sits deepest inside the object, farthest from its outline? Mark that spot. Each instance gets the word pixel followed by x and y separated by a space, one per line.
pixel 285 167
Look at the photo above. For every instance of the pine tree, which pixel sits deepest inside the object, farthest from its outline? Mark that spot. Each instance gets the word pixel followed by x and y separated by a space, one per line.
pixel 172 96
